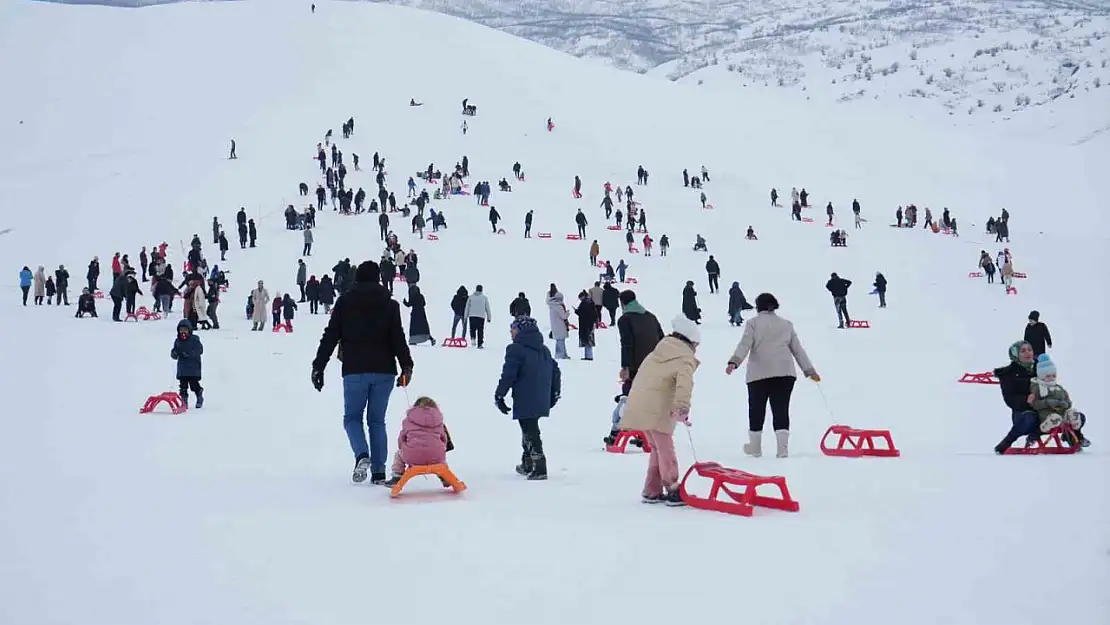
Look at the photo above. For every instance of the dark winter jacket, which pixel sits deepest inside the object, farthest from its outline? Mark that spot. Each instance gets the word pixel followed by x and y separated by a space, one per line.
pixel 366 324
pixel 520 306
pixel 640 332
pixel 1036 334
pixel 94 270
pixel 880 283
pixel 1014 381
pixel 412 274
pixel 610 297
pixel 119 287
pixel 712 268
pixel 61 279
pixel 418 318
pixel 288 306
pixel 327 291
pixel 312 290
pixel 387 270
pixel 458 303
pixel 736 300
pixel 587 322
pixel 690 304
pixel 531 374
pixel 838 287
pixel 187 352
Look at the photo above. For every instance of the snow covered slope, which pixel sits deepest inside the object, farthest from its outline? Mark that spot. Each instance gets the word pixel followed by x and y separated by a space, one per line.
pixel 117 128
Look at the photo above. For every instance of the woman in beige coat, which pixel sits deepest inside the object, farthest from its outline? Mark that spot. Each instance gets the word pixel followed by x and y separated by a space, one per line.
pixel 39 285
pixel 771 347
pixel 660 397
pixel 261 300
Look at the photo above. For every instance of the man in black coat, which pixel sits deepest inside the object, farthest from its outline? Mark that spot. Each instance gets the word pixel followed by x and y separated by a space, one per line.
pixel 520 307
pixel 639 332
pixel 1036 334
pixel 713 270
pixel 366 325
pixel 839 288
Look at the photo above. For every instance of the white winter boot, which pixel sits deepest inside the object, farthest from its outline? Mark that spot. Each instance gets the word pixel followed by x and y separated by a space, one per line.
pixel 782 437
pixel 754 446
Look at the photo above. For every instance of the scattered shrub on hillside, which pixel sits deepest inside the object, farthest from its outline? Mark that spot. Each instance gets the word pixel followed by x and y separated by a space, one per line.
pixel 894 67
pixel 997 108
pixel 1098 82
pixel 999 86
pixel 948 72
pixel 978 53
pixel 929 80
pixel 979 103
pixel 913 54
pixel 1036 44
pixel 1104 62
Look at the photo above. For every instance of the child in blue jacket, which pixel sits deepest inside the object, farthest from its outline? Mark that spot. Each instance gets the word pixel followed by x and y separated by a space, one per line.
pixel 533 377
pixel 187 349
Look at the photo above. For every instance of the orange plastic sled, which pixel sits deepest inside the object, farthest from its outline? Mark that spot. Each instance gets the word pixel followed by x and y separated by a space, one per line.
pixel 439 470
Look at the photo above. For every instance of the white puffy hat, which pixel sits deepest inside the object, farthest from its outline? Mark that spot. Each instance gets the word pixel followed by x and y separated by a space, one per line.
pixel 681 325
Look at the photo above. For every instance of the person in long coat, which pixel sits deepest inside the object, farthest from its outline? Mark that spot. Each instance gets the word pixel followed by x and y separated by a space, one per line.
pixel 40 285
pixel 737 304
pixel 327 293
pixel 558 316
pixel 587 324
pixel 261 298
pixel 659 399
pixel 690 303
pixel 419 330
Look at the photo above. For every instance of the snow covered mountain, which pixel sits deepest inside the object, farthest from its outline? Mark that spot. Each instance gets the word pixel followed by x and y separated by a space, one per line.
pixel 117 125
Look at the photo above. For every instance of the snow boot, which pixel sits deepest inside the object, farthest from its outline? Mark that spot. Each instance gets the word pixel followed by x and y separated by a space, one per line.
pixel 525 466
pixel 652 499
pixel 391 482
pixel 362 467
pixel 378 479
pixel 754 446
pixel 673 498
pixel 539 467
pixel 612 438
pixel 184 400
pixel 782 440
pixel 200 400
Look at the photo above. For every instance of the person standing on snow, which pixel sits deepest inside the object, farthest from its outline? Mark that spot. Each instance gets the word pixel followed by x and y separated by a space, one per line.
pixel 771 347
pixel 478 314
pixel 713 270
pixel 494 217
pixel 534 378
pixel 838 287
pixel 302 277
pixel 580 220
pixel 1037 335
pixel 639 332
pixel 187 350
pixel 690 303
pixel 559 317
pixel 880 288
pixel 366 325
pixel 260 298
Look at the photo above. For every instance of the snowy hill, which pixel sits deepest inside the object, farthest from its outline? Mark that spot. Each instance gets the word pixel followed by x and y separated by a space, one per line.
pixel 118 129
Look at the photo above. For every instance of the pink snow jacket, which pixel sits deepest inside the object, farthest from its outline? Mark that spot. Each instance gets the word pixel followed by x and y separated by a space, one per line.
pixel 423 438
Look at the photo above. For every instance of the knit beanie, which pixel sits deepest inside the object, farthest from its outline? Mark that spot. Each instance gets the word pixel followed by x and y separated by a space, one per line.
pixel 368 271
pixel 681 325
pixel 522 322
pixel 1034 316
pixel 1045 367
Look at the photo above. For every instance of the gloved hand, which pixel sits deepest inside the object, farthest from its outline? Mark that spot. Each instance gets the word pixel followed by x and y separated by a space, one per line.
pixel 405 378
pixel 501 405
pixel 681 415
pixel 812 375
pixel 317 379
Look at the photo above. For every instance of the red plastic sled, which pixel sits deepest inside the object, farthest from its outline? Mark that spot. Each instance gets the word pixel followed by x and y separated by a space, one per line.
pixel 601 325
pixel 400 277
pixel 571 326
pixel 631 280
pixel 500 231
pixel 986 377
pixel 743 503
pixel 432 237
pixel 573 237
pixel 287 327
pixel 1011 290
pixel 614 227
pixel 543 235
pixel 601 264
pixel 142 312
pixel 169 397
pixel 975 274
pixel 828 225
pixel 629 436
pixel 709 207
pixel 856 323
pixel 459 342
pixel 223 289
pixel 1047 444
pixel 1018 274
pixel 99 295
pixel 807 220
pixel 855 443
pixel 634 250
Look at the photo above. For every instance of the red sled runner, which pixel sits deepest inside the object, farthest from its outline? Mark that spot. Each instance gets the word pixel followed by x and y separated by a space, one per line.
pixel 855 443
pixel 856 323
pixel 624 437
pixel 170 398
pixel 459 342
pixel 287 327
pixel 743 503
pixel 986 377
pixel 1049 444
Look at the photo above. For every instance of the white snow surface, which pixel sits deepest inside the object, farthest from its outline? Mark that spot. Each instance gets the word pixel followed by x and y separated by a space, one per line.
pixel 116 125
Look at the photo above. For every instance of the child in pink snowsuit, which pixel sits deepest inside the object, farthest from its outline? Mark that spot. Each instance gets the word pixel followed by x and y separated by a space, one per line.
pixel 423 440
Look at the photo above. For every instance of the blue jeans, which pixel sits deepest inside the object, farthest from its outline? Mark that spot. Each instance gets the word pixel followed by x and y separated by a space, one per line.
pixel 455 324
pixel 588 352
pixel 560 348
pixel 367 392
pixel 617 411
pixel 737 317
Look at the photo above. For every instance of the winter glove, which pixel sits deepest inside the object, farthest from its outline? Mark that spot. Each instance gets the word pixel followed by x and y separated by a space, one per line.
pixel 500 403
pixel 405 379
pixel 681 415
pixel 318 379
pixel 811 374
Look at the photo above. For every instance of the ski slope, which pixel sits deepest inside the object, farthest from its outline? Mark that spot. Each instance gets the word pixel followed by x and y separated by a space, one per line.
pixel 116 127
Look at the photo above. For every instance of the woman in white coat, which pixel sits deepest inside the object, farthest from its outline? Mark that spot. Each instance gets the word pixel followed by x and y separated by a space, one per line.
pixel 559 316
pixel 261 299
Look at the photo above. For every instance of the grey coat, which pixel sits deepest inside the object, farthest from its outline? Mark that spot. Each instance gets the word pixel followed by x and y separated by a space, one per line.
pixel 302 272
pixel 308 235
pixel 558 315
pixel 771 346
pixel 478 306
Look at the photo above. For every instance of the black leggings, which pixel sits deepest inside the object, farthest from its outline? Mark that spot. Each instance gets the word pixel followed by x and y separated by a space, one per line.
pixel 187 383
pixel 530 440
pixel 777 391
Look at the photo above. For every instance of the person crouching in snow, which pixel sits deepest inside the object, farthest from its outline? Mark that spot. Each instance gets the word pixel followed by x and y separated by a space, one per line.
pixel 660 398
pixel 536 382
pixel 423 440
pixel 187 350
pixel 1053 404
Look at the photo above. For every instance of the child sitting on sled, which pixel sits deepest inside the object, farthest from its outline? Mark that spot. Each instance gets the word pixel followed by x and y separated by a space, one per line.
pixel 1053 404
pixel 423 441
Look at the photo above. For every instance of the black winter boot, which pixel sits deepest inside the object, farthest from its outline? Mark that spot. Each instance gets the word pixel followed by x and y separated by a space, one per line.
pixel 525 466
pixel 539 467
